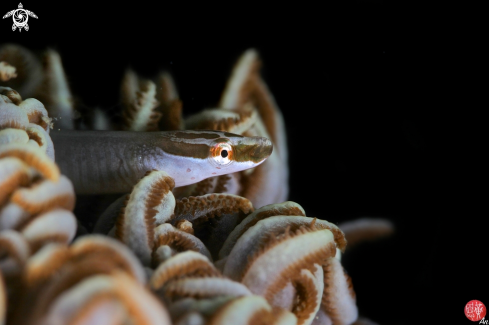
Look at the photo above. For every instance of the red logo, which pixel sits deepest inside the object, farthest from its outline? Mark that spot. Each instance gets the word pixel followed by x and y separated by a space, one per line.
pixel 475 310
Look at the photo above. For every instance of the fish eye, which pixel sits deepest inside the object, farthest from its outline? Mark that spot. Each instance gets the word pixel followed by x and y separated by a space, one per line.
pixel 222 154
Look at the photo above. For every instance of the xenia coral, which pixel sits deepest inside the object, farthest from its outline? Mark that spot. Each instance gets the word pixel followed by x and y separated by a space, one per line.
pixel 226 250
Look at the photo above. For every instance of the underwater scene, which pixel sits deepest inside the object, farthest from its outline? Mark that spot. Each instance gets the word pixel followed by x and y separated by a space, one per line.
pixel 222 165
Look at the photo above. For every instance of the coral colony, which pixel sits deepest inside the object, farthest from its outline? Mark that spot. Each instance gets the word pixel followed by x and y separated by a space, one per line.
pixel 223 247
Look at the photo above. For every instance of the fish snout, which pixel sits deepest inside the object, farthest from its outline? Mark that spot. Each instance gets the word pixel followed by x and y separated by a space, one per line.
pixel 260 150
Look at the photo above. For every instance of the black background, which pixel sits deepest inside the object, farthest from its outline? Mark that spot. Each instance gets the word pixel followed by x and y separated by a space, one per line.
pixel 358 85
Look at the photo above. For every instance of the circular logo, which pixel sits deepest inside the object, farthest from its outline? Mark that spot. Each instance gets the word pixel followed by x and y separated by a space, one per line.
pixel 20 17
pixel 475 310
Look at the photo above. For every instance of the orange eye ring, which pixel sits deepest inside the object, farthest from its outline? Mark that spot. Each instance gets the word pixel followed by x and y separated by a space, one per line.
pixel 222 154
